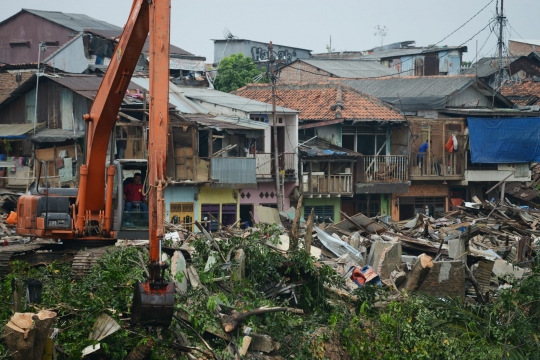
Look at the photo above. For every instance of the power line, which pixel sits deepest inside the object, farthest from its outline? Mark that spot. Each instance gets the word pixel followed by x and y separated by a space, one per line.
pixel 453 32
pixel 404 71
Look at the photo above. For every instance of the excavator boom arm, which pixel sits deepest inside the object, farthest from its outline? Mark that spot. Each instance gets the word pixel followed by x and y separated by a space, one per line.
pixel 104 111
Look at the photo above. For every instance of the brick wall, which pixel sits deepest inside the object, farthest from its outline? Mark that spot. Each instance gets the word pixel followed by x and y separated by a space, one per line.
pixel 307 73
pixel 430 190
pixel 446 279
pixel 521 49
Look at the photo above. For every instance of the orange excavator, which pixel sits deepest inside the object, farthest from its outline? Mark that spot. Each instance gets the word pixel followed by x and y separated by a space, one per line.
pixel 88 215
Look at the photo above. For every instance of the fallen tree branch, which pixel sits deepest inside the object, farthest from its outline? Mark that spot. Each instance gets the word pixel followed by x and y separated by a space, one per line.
pixel 184 323
pixel 475 284
pixel 231 322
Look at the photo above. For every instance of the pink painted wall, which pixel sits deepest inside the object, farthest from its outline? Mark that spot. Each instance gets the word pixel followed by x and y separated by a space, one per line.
pixel 268 190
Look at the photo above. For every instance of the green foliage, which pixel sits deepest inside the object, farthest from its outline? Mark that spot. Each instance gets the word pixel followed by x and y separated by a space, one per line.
pixel 236 71
pixel 107 288
pixel 424 327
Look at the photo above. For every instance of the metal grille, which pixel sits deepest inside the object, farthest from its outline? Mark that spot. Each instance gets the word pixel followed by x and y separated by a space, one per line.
pixel 322 213
pixel 182 213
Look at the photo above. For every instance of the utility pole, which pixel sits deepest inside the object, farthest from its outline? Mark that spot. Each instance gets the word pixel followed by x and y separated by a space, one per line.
pixel 501 19
pixel 272 60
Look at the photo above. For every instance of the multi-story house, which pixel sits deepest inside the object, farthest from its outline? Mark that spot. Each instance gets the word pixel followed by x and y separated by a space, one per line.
pixel 356 154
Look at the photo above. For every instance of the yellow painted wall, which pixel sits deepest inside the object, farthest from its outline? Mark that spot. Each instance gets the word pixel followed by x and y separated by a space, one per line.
pixel 208 195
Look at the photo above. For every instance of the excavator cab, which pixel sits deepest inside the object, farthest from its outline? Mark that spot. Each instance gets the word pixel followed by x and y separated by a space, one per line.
pixel 130 199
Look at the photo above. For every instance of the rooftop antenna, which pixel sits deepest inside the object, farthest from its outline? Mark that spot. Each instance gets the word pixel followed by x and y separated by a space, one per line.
pixel 228 35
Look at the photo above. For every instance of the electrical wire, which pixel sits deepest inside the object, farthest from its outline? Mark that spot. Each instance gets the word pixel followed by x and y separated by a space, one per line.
pixel 466 22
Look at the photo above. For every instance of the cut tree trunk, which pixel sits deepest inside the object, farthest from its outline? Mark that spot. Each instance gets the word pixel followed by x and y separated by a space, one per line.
pixel 19 335
pixel 296 225
pixel 42 323
pixel 418 273
pixel 231 322
pixel 309 232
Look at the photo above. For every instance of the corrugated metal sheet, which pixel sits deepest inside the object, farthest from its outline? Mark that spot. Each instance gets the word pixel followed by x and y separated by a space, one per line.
pixel 350 68
pixel 224 123
pixel 111 34
pixel 8 131
pixel 232 101
pixel 77 22
pixel 234 170
pixel 176 97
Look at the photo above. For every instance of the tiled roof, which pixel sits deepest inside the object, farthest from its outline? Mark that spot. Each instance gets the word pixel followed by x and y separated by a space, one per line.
pixel 8 83
pixel 523 92
pixel 324 101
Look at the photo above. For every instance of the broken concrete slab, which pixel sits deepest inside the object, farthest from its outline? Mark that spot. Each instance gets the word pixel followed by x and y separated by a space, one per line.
pixel 376 251
pixel 457 250
pixel 502 269
pixel 389 261
pixel 445 279
pixel 178 271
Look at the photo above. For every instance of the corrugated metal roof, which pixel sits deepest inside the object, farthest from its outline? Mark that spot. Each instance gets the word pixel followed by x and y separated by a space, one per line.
pixel 413 93
pixel 405 52
pixel 432 86
pixel 350 68
pixel 225 123
pixel 56 135
pixel 321 148
pixel 115 33
pixel 487 66
pixel 232 101
pixel 176 97
pixel 77 22
pixel 15 131
pixel 88 85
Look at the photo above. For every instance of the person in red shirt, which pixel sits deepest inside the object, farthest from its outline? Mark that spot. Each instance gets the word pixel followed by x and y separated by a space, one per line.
pixel 134 195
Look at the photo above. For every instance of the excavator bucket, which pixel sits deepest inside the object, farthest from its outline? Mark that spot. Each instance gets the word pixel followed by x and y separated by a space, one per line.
pixel 153 306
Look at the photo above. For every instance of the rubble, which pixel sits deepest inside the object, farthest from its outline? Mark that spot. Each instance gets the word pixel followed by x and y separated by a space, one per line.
pixel 468 252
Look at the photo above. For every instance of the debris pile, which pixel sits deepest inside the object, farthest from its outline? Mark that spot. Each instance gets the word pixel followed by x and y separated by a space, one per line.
pixel 271 291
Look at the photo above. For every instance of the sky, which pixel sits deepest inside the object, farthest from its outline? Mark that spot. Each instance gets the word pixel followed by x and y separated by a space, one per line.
pixel 309 24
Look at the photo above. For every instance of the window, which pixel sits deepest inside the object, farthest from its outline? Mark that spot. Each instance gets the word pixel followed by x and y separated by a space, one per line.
pixel 30 102
pixel 182 213
pixel 322 213
pixel 430 206
pixel 369 204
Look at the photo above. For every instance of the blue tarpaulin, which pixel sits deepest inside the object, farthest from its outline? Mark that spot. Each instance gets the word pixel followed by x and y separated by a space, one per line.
pixel 502 141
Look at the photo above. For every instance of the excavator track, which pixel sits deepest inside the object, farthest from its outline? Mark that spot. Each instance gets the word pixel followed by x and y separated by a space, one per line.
pixel 84 260
pixel 34 254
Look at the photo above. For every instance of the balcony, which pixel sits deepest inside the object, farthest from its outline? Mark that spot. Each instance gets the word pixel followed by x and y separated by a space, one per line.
pixel 386 168
pixel 319 184
pixel 424 166
pixel 265 165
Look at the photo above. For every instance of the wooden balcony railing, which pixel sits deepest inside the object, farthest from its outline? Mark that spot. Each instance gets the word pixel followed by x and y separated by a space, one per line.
pixel 426 165
pixel 319 184
pixel 386 168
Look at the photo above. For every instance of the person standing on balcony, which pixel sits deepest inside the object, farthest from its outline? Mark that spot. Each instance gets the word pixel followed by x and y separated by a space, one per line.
pixel 422 150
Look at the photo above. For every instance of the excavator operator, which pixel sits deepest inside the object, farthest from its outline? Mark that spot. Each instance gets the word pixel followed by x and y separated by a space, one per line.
pixel 134 197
